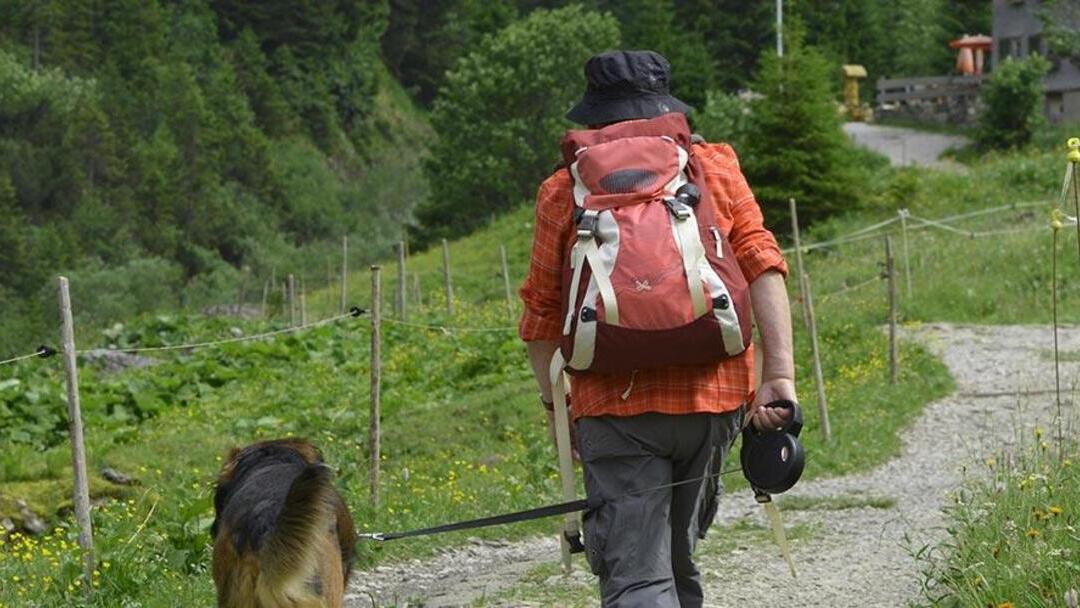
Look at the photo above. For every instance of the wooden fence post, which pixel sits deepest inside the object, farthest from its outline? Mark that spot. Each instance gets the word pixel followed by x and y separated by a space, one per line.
pixel 292 300
pixel 798 260
pixel 284 298
pixel 240 290
pixel 506 282
pixel 75 435
pixel 890 273
pixel 401 282
pixel 819 378
pixel 446 276
pixel 303 305
pixel 376 379
pixel 265 295
pixel 344 272
pixel 907 256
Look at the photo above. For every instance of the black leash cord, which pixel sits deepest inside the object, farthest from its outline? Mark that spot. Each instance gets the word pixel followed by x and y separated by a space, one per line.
pixel 536 513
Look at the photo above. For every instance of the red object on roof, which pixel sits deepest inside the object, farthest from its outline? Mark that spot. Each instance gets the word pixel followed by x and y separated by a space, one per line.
pixel 979 41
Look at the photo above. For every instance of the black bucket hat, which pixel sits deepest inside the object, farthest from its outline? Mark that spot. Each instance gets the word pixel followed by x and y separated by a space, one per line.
pixel 624 85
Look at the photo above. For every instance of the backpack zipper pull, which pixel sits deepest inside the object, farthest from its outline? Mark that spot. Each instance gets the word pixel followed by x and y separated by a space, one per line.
pixel 716 237
pixel 630 387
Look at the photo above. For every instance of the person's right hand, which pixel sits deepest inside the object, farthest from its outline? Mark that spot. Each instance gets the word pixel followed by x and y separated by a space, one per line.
pixel 770 418
pixel 573 436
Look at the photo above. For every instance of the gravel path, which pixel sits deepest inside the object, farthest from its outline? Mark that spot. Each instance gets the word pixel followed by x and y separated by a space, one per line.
pixel 905 146
pixel 857 556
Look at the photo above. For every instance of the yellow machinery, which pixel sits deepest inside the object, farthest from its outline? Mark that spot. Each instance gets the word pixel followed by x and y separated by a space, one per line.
pixel 853 108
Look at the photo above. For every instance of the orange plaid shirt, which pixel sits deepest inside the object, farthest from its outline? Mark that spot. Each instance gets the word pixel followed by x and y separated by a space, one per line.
pixel 715 388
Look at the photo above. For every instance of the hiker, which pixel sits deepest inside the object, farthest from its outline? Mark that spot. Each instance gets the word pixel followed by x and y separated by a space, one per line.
pixel 649 253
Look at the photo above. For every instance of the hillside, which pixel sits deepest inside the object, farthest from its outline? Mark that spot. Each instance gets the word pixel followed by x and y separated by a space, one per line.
pixel 162 155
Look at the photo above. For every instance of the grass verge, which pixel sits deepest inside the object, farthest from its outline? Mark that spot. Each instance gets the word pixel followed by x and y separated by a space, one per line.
pixel 1013 533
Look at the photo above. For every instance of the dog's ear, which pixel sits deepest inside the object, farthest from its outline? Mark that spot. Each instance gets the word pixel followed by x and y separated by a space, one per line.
pixel 229 466
pixel 306 449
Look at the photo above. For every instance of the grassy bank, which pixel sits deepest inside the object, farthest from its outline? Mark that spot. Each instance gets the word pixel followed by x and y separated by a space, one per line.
pixel 1013 538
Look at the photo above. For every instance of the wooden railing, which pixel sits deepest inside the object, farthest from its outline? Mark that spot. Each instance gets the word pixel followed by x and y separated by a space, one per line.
pixel 892 90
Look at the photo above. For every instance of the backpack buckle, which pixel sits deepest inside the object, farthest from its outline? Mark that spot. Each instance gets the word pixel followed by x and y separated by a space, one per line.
pixel 586 224
pixel 678 208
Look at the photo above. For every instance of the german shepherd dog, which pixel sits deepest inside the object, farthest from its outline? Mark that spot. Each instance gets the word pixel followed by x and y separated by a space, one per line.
pixel 282 535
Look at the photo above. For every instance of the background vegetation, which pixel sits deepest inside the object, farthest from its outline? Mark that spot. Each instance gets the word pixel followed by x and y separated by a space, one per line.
pixel 206 144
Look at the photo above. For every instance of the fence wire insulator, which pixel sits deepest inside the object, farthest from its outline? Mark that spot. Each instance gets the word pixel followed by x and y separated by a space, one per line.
pixel 42 352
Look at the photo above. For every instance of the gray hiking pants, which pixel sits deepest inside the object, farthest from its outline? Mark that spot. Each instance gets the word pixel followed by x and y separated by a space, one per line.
pixel 641 546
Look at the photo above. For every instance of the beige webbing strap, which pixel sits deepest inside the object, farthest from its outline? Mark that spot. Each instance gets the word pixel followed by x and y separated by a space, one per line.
pixel 692 251
pixel 559 390
pixel 603 282
pixel 577 262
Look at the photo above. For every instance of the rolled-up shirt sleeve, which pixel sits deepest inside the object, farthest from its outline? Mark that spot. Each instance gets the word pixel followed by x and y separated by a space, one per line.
pixel 542 290
pixel 755 246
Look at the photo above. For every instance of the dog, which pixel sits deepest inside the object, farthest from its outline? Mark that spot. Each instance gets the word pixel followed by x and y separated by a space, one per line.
pixel 283 536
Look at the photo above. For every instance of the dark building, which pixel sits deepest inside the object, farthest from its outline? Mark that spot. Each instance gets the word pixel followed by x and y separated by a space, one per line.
pixel 1018 32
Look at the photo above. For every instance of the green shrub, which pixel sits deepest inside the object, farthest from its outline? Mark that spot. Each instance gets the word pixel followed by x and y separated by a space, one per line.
pixel 795 148
pixel 499 117
pixel 1013 99
pixel 724 118
pixel 106 294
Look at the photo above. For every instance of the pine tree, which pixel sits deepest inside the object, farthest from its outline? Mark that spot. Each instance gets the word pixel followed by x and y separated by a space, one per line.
pixel 734 32
pixel 797 149
pixel 16 263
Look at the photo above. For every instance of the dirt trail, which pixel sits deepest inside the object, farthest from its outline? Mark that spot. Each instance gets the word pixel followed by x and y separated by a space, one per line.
pixel 906 146
pixel 857 556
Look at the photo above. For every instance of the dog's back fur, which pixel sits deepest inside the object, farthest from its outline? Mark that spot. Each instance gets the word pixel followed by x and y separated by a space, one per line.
pixel 282 535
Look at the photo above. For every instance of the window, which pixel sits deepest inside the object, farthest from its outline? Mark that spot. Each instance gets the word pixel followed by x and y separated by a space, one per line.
pixel 1035 45
pixel 1008 47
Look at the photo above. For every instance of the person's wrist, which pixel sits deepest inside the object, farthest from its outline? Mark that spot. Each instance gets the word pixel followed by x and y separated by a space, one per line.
pixel 771 375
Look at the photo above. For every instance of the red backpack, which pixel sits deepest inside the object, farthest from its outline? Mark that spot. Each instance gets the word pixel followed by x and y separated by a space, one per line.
pixel 649 281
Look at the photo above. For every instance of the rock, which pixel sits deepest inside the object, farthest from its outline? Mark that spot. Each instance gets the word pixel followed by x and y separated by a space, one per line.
pixel 31 523
pixel 113 361
pixel 236 332
pixel 7 525
pixel 247 311
pixel 113 476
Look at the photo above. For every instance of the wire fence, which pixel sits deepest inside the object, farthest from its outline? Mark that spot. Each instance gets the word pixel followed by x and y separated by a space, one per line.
pixel 849 288
pixel 42 352
pixel 878 230
pixel 353 313
pixel 450 329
